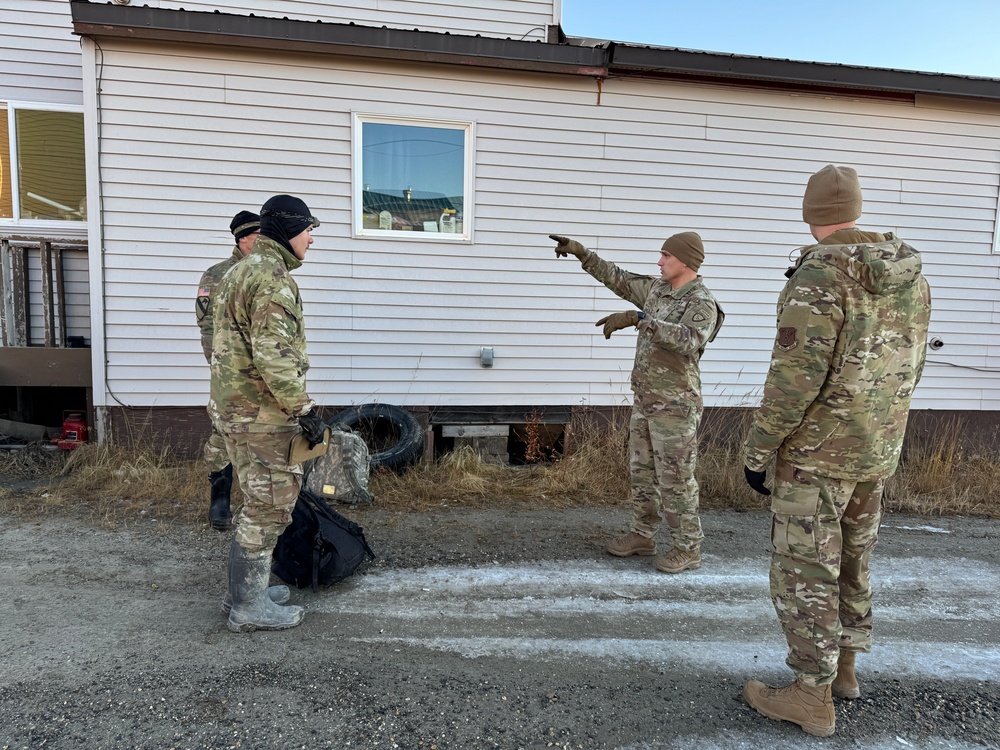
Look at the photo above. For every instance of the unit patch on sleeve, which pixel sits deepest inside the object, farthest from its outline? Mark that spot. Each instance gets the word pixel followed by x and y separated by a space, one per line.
pixel 204 302
pixel 792 326
pixel 787 338
pixel 700 312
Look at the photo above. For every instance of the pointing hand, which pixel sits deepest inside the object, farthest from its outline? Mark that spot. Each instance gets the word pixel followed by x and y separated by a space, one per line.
pixel 566 247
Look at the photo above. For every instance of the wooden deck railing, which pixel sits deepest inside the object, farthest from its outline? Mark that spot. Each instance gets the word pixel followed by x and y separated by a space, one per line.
pixel 15 305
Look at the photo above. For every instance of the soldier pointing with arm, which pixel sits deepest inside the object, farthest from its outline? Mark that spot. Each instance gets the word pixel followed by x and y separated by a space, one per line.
pixel 676 317
pixel 852 330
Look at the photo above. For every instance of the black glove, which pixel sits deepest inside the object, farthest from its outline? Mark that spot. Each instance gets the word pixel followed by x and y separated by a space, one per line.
pixel 756 480
pixel 313 428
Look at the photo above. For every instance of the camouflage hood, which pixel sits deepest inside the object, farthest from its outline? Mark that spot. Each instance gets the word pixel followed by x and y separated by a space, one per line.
pixel 881 263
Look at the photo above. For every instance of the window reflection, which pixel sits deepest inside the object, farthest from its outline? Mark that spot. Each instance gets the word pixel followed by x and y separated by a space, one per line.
pixel 6 195
pixel 50 165
pixel 413 178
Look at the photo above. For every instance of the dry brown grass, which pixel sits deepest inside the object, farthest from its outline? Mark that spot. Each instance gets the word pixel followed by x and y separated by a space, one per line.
pixel 594 473
pixel 938 477
pixel 116 485
pixel 720 466
pixel 32 462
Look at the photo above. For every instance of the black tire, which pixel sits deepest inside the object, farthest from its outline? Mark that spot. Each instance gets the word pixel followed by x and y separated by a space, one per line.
pixel 393 435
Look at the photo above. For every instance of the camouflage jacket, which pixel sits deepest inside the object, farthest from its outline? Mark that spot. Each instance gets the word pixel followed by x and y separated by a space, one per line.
pixel 679 323
pixel 203 303
pixel 259 358
pixel 852 331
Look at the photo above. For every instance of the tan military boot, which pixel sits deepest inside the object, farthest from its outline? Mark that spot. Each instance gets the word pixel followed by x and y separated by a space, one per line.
pixel 676 559
pixel 846 684
pixel 631 544
pixel 809 707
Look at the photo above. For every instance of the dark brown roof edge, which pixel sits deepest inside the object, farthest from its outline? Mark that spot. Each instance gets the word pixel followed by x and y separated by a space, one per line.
pixel 576 58
pixel 635 59
pixel 106 20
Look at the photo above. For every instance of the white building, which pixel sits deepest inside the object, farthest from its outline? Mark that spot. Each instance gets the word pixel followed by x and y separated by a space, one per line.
pixel 440 143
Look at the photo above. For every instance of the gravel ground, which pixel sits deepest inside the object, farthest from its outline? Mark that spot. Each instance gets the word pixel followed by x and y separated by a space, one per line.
pixel 478 629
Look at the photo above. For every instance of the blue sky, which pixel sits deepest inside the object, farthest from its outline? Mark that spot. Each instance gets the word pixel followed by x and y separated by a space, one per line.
pixel 940 36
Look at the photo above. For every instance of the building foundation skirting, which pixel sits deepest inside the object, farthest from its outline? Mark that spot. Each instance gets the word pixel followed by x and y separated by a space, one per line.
pixel 184 429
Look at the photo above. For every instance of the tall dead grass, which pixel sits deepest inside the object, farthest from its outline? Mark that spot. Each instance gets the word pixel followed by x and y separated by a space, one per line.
pixel 116 484
pixel 720 463
pixel 120 484
pixel 939 476
pixel 593 473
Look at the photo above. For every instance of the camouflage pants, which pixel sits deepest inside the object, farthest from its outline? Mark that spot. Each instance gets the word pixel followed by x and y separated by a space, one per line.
pixel 270 486
pixel 663 444
pixel 823 533
pixel 215 453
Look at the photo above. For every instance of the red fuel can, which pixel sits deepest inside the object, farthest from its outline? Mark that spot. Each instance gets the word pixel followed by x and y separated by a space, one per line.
pixel 74 431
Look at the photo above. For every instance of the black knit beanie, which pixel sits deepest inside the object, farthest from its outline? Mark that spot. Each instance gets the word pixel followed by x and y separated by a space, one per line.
pixel 283 217
pixel 244 223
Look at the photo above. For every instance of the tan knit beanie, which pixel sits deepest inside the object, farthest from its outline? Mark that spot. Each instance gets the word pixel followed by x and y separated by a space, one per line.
pixel 687 248
pixel 833 196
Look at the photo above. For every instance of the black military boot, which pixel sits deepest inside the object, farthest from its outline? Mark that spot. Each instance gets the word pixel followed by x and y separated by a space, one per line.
pixel 253 608
pixel 219 514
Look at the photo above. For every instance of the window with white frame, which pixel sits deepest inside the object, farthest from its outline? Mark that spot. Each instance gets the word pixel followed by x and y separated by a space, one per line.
pixel 42 173
pixel 412 178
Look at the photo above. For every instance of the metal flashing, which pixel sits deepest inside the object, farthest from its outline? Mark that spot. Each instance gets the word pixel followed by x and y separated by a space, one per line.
pixel 132 22
pixel 572 55
pixel 628 58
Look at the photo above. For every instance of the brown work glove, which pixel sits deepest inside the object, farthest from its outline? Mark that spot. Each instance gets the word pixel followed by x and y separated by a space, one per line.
pixel 568 247
pixel 617 321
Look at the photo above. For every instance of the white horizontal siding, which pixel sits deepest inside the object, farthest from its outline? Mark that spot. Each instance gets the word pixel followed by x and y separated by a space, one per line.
pixel 189 137
pixel 77 302
pixel 517 19
pixel 40 57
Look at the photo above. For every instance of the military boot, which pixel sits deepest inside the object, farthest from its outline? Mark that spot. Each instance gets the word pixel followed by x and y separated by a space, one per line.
pixel 219 514
pixel 277 594
pixel 631 544
pixel 809 707
pixel 252 607
pixel 676 560
pixel 846 683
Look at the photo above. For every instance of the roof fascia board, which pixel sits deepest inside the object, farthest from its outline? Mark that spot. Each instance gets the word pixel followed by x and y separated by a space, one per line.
pixel 613 58
pixel 627 59
pixel 131 22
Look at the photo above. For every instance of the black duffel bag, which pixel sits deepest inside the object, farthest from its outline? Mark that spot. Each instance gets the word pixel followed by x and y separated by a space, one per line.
pixel 320 546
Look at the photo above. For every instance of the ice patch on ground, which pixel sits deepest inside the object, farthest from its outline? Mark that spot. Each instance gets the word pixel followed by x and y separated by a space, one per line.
pixel 522 611
pixel 893 656
pixel 759 740
pixel 929 529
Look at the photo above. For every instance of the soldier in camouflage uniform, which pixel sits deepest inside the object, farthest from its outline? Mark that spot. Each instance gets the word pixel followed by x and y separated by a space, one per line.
pixel 245 227
pixel 852 330
pixel 676 319
pixel 259 403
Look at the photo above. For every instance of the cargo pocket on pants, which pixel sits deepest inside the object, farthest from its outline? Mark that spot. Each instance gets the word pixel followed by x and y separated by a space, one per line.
pixel 795 505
